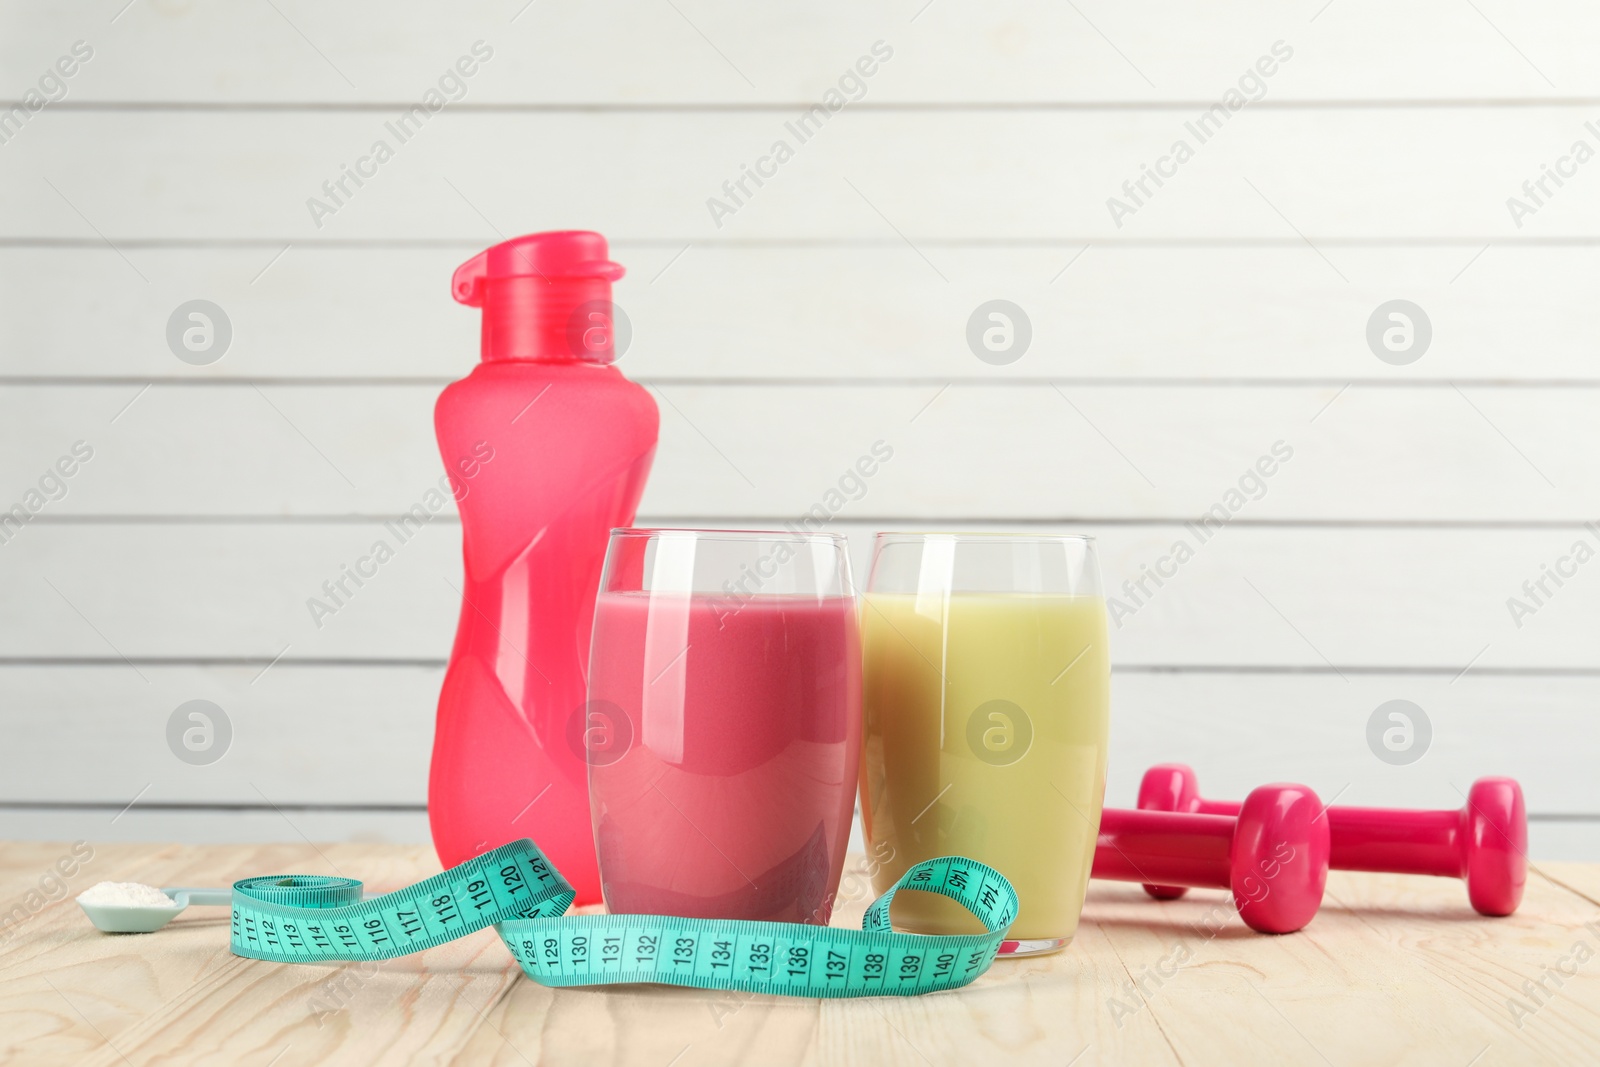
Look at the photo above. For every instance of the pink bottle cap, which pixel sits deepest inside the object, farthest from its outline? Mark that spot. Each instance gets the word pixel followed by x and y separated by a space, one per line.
pixel 545 296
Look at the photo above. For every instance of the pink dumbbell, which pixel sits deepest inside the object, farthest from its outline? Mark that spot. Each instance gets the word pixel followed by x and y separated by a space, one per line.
pixel 1273 853
pixel 1485 842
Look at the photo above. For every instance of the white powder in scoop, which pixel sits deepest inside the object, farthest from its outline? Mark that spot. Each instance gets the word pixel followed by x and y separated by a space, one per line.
pixel 126 895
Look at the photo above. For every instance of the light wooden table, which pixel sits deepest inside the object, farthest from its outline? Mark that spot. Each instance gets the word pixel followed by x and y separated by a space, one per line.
pixel 1393 971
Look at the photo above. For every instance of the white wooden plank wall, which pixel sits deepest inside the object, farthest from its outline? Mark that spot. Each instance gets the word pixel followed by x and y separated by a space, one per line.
pixel 1227 313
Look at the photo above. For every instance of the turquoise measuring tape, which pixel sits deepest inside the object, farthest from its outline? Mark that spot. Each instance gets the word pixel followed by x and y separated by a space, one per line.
pixel 306 919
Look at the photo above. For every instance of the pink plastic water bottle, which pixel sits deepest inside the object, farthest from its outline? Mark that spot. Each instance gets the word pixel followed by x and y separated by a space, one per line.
pixel 547 446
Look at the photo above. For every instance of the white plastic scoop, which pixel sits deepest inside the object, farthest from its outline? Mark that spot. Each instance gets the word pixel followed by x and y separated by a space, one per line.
pixel 131 908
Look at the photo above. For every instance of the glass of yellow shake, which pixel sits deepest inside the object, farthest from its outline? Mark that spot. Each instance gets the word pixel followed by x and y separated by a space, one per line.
pixel 985 704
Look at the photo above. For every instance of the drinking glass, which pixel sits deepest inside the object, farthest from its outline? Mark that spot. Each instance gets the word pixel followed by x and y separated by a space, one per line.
pixel 723 726
pixel 985 699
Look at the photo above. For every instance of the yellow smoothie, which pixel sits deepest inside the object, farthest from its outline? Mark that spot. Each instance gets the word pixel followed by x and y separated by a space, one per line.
pixel 985 722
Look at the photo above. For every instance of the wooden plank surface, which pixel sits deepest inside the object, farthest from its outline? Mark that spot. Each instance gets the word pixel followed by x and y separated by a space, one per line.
pixel 1397 174
pixel 1432 599
pixel 723 52
pixel 1238 728
pixel 1581 879
pixel 1208 672
pixel 830 311
pixel 1013 450
pixel 867 313
pixel 212 822
pixel 1394 969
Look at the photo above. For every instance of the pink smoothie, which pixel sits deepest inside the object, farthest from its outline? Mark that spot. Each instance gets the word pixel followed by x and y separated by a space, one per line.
pixel 741 728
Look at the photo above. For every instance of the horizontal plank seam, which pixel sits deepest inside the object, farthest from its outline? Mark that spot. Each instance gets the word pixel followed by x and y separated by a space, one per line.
pixel 725 521
pixel 1553 880
pixel 1374 670
pixel 60 381
pixel 1577 818
pixel 704 243
pixel 709 107
pixel 146 805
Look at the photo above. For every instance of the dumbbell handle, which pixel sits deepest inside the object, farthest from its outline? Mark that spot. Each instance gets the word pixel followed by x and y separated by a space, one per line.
pixel 1173 848
pixel 1272 855
pixel 1383 839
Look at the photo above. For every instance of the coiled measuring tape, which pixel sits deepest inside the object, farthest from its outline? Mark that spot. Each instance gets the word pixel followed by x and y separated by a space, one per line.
pixel 306 919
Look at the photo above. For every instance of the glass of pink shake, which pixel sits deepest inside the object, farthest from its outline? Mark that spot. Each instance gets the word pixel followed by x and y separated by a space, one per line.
pixel 722 731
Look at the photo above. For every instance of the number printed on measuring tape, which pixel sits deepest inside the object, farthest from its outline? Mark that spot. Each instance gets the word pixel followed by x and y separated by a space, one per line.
pixel 515 888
